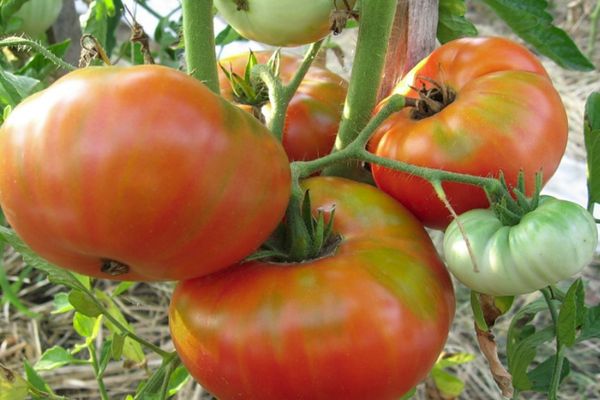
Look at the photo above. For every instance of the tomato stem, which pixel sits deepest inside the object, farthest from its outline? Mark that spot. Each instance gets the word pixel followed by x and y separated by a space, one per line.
pixel 356 151
pixel 560 348
pixel 20 41
pixel 280 95
pixel 375 27
pixel 96 365
pixel 199 40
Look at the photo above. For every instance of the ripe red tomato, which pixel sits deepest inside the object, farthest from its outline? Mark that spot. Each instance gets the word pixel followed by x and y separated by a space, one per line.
pixel 314 113
pixel 506 116
pixel 366 322
pixel 139 173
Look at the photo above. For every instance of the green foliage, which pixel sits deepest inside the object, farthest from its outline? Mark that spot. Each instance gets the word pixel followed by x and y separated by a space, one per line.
pixel 591 132
pixel 102 20
pixel 452 23
pixel 572 323
pixel 447 383
pixel 530 20
pixel 228 35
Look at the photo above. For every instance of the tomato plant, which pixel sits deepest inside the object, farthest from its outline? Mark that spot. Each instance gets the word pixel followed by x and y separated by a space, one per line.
pixel 551 243
pixel 366 321
pixel 487 106
pixel 314 112
pixel 38 15
pixel 139 173
pixel 144 174
pixel 283 23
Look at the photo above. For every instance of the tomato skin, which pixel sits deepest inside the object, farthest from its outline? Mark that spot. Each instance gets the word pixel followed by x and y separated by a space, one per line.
pixel 366 322
pixel 281 23
pixel 314 113
pixel 38 16
pixel 142 165
pixel 551 243
pixel 506 117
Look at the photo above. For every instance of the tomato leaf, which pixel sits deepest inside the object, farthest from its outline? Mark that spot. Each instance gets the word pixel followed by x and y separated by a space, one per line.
pixel 61 303
pixel 524 353
pixel 591 324
pixel 14 88
pixel 35 380
pixel 228 35
pixel 448 384
pixel 452 23
pixel 102 20
pixel 478 312
pixel 154 384
pixel 122 287
pixel 118 340
pixel 591 132
pixel 570 316
pixel 541 376
pixel 84 304
pixel 177 380
pixel 530 20
pixel 54 357
pixel 55 274
pixel 105 356
pixel 85 326
pixel 9 8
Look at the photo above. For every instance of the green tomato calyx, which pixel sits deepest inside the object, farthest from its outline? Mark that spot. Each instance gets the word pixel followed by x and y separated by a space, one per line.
pixel 301 237
pixel 511 204
pixel 249 91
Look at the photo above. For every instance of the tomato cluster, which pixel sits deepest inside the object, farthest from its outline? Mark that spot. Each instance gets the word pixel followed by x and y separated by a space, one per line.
pixel 142 173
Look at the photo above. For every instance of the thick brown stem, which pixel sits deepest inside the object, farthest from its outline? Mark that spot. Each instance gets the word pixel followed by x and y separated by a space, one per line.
pixel 413 37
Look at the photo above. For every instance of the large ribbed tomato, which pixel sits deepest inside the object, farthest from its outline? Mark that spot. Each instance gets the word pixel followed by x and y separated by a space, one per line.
pixel 315 111
pixel 366 322
pixel 506 116
pixel 139 173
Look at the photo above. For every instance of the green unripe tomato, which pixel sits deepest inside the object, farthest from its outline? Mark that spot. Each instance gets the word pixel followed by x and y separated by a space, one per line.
pixel 281 22
pixel 38 15
pixel 553 242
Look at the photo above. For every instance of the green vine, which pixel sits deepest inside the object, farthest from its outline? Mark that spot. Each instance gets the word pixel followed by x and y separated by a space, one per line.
pixel 13 41
pixel 198 36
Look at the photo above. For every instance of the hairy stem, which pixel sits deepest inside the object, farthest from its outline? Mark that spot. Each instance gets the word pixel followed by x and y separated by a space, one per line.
pixel 356 151
pixel 376 20
pixel 198 36
pixel 280 95
pixel 20 41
